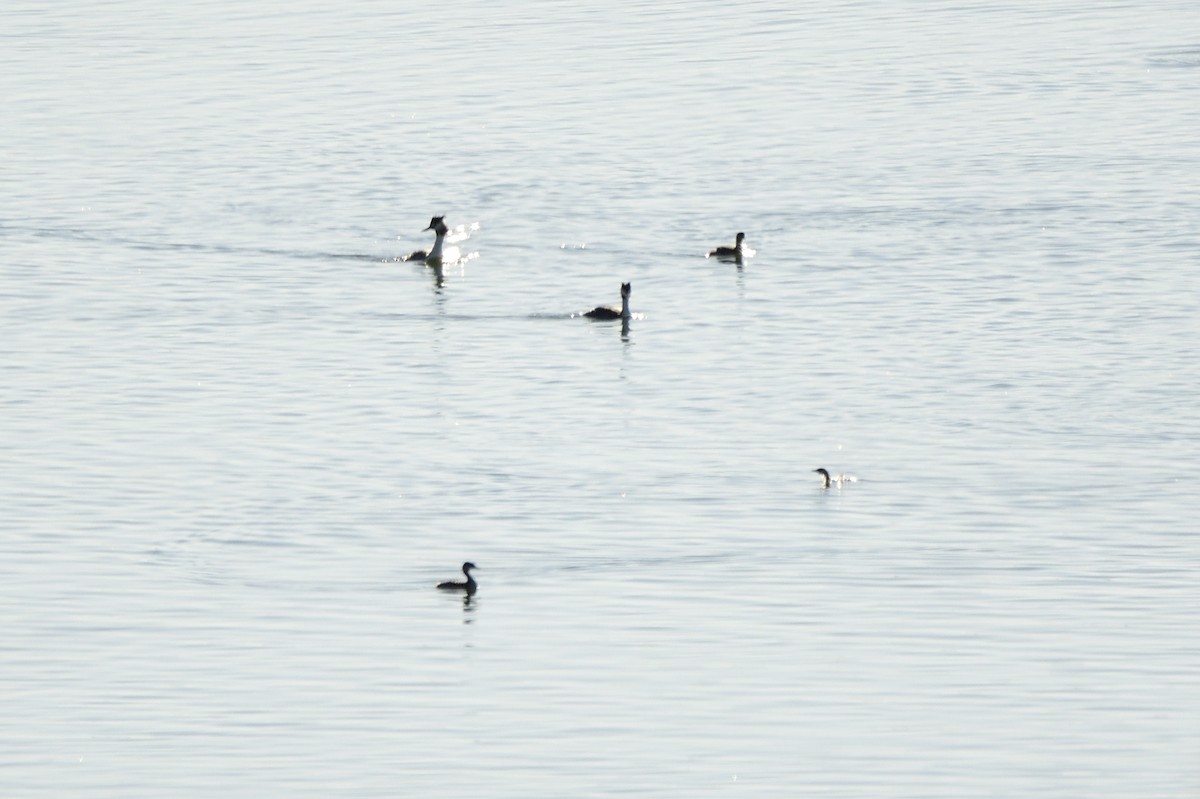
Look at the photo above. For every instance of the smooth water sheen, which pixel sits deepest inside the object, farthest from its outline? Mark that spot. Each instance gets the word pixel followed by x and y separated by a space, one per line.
pixel 241 442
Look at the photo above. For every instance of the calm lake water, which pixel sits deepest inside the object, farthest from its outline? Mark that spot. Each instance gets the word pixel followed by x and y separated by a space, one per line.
pixel 241 440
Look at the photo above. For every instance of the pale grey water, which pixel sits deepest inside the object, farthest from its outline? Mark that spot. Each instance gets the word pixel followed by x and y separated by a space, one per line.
pixel 241 443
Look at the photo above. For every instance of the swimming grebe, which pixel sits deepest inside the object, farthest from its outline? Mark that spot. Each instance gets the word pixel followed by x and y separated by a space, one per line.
pixel 608 312
pixel 469 585
pixel 729 252
pixel 438 226
pixel 834 479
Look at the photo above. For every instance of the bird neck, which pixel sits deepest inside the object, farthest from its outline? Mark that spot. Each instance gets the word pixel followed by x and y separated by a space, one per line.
pixel 436 252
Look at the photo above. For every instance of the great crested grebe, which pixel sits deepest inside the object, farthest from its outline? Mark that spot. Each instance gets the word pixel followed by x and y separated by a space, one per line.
pixel 735 251
pixel 608 312
pixel 469 585
pixel 438 226
pixel 834 479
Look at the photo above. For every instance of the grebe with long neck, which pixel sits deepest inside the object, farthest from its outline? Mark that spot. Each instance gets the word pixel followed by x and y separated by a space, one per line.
pixel 734 252
pixel 438 226
pixel 838 480
pixel 469 585
pixel 609 312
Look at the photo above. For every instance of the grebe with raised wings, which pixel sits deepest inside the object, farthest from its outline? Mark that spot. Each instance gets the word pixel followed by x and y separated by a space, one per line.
pixel 609 312
pixel 834 479
pixel 438 226
pixel 469 585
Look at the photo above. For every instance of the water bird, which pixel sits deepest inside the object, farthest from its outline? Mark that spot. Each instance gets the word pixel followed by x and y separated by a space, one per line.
pixel 735 252
pixel 609 312
pixel 834 479
pixel 438 226
pixel 469 585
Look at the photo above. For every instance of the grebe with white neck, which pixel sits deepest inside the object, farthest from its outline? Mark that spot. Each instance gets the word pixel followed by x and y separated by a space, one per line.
pixel 736 252
pixel 438 226
pixel 469 585
pixel 838 480
pixel 609 312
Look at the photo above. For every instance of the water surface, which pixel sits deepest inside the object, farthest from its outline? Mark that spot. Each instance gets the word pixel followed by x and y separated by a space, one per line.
pixel 241 441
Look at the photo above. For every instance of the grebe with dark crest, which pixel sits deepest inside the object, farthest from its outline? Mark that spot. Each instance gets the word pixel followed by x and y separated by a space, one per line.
pixel 608 312
pixel 469 585
pixel 735 252
pixel 438 226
